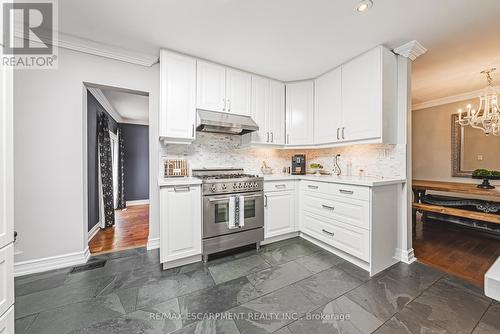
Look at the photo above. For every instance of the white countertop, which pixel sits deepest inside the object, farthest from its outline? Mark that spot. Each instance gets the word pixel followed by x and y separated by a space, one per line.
pixel 178 181
pixel 353 180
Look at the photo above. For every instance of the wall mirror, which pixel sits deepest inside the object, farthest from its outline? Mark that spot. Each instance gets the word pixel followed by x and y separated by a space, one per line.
pixel 472 149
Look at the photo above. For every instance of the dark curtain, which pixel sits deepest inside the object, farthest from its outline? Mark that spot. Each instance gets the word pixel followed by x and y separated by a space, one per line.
pixel 120 203
pixel 106 168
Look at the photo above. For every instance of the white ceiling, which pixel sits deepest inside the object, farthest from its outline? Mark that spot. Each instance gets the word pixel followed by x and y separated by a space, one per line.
pixel 298 39
pixel 131 107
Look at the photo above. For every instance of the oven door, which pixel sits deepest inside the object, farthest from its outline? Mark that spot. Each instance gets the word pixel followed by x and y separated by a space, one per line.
pixel 216 213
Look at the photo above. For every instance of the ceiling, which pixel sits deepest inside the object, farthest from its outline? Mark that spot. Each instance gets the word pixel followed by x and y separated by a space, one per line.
pixel 299 39
pixel 131 107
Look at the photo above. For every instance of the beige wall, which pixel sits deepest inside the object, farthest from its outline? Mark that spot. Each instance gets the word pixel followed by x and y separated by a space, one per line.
pixel 432 142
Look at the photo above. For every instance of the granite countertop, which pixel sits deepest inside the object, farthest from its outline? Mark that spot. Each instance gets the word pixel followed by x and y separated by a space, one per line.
pixel 178 181
pixel 353 180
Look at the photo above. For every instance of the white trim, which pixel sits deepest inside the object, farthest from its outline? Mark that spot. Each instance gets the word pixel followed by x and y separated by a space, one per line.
pixel 411 50
pixel 51 263
pixel 83 45
pixel 406 256
pixel 181 262
pixel 153 244
pixel 280 238
pixel 138 202
pixel 103 101
pixel 93 231
pixel 135 121
pixel 449 99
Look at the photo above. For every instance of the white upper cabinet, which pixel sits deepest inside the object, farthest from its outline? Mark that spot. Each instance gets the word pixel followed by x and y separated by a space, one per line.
pixel 238 92
pixel 328 107
pixel 369 97
pixel 299 112
pixel 276 119
pixel 177 97
pixel 211 86
pixel 268 110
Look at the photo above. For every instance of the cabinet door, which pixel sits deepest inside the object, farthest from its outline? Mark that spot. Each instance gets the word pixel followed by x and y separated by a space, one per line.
pixel 238 92
pixel 7 322
pixel 279 217
pixel 180 222
pixel 178 96
pixel 276 119
pixel 211 86
pixel 260 108
pixel 6 277
pixel 299 113
pixel 362 96
pixel 328 107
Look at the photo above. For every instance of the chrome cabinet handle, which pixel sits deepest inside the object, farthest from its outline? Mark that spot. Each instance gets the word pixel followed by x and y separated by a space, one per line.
pixel 267 140
pixel 312 187
pixel 343 130
pixel 192 130
pixel 265 201
pixel 288 139
pixel 343 191
pixel 224 104
pixel 328 232
pixel 229 104
pixel 328 207
pixel 280 186
pixel 181 189
pixel 338 135
pixel 272 137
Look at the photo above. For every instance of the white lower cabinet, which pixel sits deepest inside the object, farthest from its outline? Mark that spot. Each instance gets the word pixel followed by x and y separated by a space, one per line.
pixel 180 224
pixel 279 213
pixel 7 321
pixel 6 278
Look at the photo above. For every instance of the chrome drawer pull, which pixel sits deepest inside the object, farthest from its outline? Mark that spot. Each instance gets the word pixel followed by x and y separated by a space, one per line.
pixel 350 192
pixel 312 187
pixel 328 207
pixel 329 233
pixel 280 186
pixel 182 189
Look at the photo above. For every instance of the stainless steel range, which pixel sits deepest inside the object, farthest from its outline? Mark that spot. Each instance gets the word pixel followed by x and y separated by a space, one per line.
pixel 233 209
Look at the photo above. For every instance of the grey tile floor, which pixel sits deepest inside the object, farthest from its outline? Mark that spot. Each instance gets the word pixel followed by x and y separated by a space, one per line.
pixel 288 287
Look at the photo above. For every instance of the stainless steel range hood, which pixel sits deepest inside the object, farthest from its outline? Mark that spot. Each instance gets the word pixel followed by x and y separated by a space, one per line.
pixel 218 122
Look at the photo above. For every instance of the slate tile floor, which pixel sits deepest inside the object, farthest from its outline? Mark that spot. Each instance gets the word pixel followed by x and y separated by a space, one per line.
pixel 288 287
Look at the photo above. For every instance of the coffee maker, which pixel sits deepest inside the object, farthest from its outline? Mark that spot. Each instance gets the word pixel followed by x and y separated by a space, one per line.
pixel 299 164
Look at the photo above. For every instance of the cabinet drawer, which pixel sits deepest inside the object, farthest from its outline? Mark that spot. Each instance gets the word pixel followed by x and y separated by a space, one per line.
pixel 349 211
pixel 317 187
pixel 348 191
pixel 6 277
pixel 279 185
pixel 352 240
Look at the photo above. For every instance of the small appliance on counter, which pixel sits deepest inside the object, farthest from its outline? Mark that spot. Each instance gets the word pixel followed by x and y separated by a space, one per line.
pixel 299 164
pixel 176 168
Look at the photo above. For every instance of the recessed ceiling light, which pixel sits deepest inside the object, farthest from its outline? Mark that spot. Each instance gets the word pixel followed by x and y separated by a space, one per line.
pixel 364 5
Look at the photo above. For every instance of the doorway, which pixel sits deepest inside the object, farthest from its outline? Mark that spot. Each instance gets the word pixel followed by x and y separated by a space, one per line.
pixel 117 169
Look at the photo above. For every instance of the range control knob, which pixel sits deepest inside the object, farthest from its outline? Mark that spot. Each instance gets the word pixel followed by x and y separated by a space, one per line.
pixel 224 186
pixel 213 188
pixel 251 185
pixel 255 184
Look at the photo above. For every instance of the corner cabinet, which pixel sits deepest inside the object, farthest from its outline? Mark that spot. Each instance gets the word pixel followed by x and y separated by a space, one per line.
pixel 177 97
pixel 328 107
pixel 223 89
pixel 180 225
pixel 268 110
pixel 369 97
pixel 299 113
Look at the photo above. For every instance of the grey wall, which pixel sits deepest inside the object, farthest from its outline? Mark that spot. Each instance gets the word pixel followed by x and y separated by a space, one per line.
pixel 93 107
pixel 136 162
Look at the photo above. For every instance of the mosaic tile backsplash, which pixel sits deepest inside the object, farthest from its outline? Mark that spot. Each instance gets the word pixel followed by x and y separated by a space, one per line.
pixel 218 150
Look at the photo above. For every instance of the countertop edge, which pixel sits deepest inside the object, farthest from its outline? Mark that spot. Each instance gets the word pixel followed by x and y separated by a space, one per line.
pixel 329 179
pixel 181 181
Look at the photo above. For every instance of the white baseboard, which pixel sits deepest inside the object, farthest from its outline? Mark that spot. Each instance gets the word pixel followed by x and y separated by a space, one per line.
pixel 93 231
pixel 50 263
pixel 153 243
pixel 406 256
pixel 280 238
pixel 138 202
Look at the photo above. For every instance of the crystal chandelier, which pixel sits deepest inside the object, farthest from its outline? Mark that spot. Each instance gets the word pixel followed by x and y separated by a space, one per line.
pixel 487 115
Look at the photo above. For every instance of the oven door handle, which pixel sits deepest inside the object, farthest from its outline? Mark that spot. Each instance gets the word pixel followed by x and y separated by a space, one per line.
pixel 227 198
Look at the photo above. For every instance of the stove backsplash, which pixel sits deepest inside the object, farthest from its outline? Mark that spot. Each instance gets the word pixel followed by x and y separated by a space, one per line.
pixel 216 150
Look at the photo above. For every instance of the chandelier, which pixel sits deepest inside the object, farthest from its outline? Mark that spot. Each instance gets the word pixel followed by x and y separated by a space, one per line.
pixel 487 115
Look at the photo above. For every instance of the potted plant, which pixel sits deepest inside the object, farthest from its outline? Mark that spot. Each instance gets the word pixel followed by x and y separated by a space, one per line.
pixel 486 176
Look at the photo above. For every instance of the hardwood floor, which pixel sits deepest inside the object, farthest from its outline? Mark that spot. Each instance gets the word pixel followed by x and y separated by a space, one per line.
pixel 455 250
pixel 130 231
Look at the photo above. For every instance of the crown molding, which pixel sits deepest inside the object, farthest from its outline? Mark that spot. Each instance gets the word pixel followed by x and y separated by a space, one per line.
pixel 448 99
pixel 135 121
pixel 83 45
pixel 411 50
pixel 101 98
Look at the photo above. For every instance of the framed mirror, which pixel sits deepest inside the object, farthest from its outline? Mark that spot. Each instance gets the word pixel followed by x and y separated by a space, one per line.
pixel 472 149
